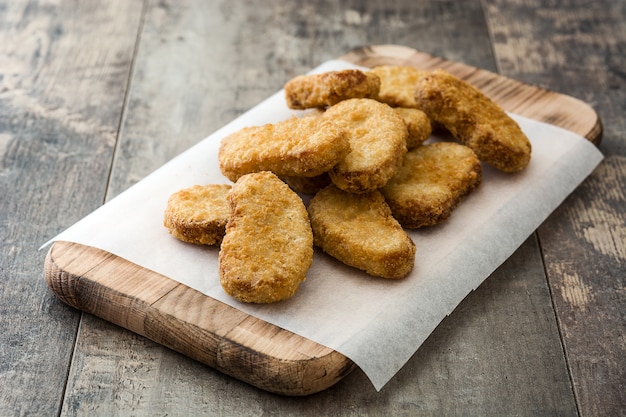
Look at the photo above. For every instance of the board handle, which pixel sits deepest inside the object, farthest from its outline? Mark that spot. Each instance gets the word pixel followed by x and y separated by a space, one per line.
pixel 189 322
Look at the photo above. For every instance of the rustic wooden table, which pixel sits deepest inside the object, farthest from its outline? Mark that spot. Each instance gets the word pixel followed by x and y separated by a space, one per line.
pixel 95 95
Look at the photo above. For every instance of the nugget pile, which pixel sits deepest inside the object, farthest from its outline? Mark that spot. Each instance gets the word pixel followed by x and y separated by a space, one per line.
pixel 362 155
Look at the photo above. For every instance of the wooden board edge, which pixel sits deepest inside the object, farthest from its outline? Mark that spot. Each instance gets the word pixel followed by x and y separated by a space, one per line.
pixel 310 368
pixel 547 106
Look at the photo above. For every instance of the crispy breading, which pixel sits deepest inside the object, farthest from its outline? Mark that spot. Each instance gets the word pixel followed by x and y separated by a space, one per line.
pixel 329 88
pixel 432 181
pixel 417 123
pixel 268 246
pixel 397 84
pixel 307 146
pixel 474 119
pixel 377 138
pixel 198 214
pixel 359 230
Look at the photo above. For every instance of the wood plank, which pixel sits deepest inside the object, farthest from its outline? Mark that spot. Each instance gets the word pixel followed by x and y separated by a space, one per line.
pixel 61 96
pixel 260 354
pixel 589 289
pixel 580 50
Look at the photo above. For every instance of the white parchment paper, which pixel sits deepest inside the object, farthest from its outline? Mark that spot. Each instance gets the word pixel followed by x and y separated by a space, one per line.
pixel 377 323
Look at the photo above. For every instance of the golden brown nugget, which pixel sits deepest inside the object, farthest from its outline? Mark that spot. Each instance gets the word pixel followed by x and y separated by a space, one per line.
pixel 417 123
pixel 307 147
pixel 432 181
pixel 397 84
pixel 359 230
pixel 329 88
pixel 268 246
pixel 198 214
pixel 474 119
pixel 377 138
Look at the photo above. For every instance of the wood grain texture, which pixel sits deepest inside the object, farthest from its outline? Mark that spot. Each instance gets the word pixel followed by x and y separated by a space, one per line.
pixel 280 42
pixel 589 290
pixel 220 336
pixel 63 67
pixel 61 96
pixel 581 50
pixel 185 320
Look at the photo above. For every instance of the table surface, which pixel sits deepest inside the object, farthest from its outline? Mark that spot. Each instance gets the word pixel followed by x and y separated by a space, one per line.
pixel 96 95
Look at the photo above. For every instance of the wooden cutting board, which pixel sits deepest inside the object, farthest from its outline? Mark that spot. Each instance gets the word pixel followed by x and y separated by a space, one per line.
pixel 227 339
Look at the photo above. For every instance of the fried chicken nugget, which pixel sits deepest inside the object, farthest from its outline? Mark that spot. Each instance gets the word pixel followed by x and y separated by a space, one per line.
pixel 268 246
pixel 417 123
pixel 329 88
pixel 397 84
pixel 474 119
pixel 307 146
pixel 432 181
pixel 377 137
pixel 359 230
pixel 198 214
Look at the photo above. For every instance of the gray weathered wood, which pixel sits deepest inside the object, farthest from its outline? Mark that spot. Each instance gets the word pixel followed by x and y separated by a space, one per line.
pixel 64 70
pixel 61 96
pixel 581 51
pixel 177 110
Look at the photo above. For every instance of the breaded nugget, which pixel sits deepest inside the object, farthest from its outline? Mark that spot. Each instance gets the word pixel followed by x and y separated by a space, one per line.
pixel 474 119
pixel 359 230
pixel 397 84
pixel 268 246
pixel 329 88
pixel 198 214
pixel 377 138
pixel 307 147
pixel 431 182
pixel 417 123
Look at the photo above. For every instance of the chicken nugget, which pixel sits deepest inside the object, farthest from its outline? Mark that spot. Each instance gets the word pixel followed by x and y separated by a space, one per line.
pixel 198 214
pixel 397 84
pixel 431 182
pixel 268 246
pixel 307 146
pixel 377 137
pixel 417 123
pixel 360 231
pixel 329 88
pixel 474 119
